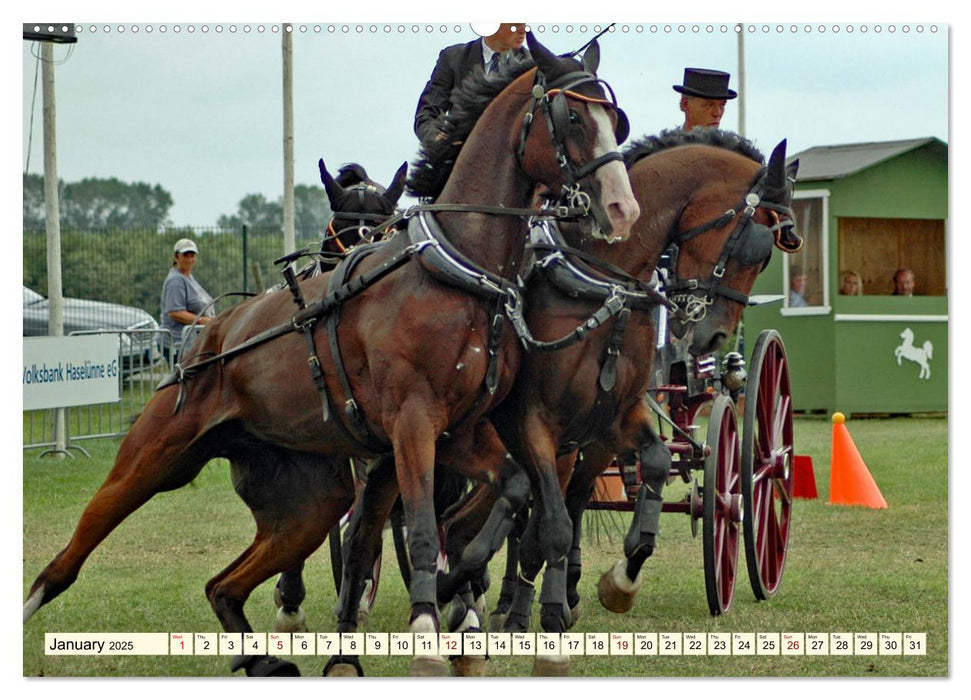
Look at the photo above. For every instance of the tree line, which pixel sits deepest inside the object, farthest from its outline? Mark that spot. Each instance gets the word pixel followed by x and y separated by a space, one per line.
pixel 117 240
pixel 102 203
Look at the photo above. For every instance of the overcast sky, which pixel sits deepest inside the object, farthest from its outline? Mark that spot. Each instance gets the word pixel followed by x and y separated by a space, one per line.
pixel 198 109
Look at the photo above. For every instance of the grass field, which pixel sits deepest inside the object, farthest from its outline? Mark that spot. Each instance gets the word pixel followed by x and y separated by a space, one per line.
pixel 849 569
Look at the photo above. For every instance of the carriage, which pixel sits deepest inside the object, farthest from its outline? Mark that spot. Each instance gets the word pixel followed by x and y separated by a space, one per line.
pixel 746 491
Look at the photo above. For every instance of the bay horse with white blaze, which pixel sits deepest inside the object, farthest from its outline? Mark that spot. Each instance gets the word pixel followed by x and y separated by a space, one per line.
pixel 705 192
pixel 415 366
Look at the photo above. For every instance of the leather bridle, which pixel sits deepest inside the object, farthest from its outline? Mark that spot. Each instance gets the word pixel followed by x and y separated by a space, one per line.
pixel 749 243
pixel 551 99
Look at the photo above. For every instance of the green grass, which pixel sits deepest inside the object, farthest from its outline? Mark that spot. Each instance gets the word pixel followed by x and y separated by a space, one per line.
pixel 849 569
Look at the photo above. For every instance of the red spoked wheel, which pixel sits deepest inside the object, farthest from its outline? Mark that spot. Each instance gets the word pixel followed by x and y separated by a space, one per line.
pixel 767 464
pixel 722 506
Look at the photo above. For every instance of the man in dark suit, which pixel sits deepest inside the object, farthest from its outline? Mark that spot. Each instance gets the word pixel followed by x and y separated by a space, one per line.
pixel 454 64
pixel 703 97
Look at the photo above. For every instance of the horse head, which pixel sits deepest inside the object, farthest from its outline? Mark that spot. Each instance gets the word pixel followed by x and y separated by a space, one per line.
pixel 724 236
pixel 546 121
pixel 357 203
pixel 577 160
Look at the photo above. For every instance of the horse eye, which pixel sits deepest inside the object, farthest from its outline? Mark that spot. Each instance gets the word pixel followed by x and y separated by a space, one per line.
pixel 574 117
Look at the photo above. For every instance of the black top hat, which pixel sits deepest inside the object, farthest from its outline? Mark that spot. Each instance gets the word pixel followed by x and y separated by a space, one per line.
pixel 701 82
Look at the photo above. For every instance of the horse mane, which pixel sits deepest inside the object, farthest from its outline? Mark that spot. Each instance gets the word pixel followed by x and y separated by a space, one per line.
pixel 671 138
pixel 431 170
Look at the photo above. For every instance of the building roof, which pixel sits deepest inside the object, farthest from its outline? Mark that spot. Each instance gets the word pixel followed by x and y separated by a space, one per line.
pixel 834 162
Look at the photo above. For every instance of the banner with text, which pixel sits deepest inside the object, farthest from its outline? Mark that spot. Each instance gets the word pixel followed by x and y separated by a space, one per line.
pixel 70 371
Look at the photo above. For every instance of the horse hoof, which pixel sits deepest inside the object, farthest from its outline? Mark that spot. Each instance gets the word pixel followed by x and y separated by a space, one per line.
pixel 497 621
pixel 615 590
pixel 424 666
pixel 342 671
pixel 290 622
pixel 270 666
pixel 343 667
pixel 551 666
pixel 469 666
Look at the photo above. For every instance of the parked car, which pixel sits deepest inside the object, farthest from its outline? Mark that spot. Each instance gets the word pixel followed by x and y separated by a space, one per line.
pixel 138 346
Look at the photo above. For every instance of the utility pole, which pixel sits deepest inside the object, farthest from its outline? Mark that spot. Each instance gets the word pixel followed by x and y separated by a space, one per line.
pixel 47 35
pixel 741 80
pixel 52 219
pixel 289 233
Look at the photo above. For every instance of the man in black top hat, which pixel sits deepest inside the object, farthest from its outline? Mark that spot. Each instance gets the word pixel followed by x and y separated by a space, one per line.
pixel 454 64
pixel 703 97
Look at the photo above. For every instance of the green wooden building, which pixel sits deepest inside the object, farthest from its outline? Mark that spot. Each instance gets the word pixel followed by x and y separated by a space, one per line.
pixel 864 210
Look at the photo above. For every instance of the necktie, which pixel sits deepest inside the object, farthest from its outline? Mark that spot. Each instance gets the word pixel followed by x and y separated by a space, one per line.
pixel 494 64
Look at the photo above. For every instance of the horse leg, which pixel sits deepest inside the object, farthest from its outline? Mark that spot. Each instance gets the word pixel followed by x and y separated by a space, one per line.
pixel 160 453
pixel 526 562
pixel 413 437
pixel 288 594
pixel 484 458
pixel 295 500
pixel 532 555
pixel 578 494
pixel 487 516
pixel 362 544
pixel 619 586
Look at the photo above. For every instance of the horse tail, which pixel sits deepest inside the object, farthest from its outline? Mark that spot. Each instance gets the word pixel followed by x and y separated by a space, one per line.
pixel 928 349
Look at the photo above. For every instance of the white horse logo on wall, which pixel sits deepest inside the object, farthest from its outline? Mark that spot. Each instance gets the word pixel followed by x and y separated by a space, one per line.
pixel 921 355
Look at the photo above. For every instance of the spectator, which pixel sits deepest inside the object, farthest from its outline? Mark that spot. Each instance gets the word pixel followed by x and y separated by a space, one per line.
pixel 703 97
pixel 797 290
pixel 454 64
pixel 851 284
pixel 903 282
pixel 183 298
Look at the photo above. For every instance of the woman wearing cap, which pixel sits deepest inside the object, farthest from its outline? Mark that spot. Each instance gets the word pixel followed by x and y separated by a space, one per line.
pixel 703 97
pixel 183 298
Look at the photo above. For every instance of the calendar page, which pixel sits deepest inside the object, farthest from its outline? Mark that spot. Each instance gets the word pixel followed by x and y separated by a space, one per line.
pixel 740 560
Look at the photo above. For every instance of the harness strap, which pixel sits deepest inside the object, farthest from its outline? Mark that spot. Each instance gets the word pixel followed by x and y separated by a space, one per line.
pixel 354 424
pixel 514 311
pixel 634 284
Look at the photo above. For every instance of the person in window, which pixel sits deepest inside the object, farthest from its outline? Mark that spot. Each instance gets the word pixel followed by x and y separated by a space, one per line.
pixel 903 282
pixel 797 290
pixel 183 299
pixel 851 284
pixel 454 64
pixel 703 97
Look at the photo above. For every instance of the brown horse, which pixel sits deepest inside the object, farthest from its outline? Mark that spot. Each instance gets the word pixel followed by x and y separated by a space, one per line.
pixel 357 205
pixel 591 395
pixel 418 362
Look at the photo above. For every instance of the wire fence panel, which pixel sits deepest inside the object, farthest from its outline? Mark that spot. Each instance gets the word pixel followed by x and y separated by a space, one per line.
pixel 112 283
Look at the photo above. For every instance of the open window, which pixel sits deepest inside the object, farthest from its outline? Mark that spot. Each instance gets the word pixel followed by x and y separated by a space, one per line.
pixel 806 276
pixel 875 248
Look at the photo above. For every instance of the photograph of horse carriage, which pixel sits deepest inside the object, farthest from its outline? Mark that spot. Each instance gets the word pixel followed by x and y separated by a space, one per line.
pixel 555 312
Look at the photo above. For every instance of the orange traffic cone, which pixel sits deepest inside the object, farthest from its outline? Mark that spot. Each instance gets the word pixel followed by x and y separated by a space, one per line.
pixel 850 482
pixel 803 478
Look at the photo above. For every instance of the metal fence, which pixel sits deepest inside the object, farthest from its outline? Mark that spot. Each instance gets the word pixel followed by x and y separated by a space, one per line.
pixel 111 280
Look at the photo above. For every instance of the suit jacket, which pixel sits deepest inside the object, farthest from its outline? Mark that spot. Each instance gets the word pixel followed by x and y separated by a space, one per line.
pixel 454 63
